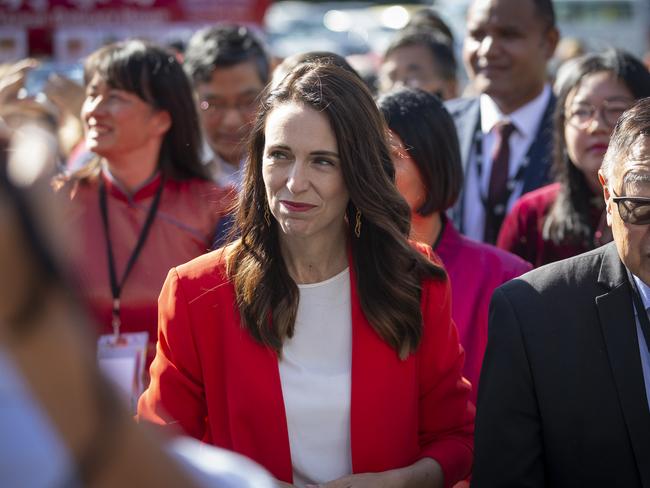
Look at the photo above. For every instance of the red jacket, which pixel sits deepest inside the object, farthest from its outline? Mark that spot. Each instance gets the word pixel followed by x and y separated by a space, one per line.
pixel 522 230
pixel 223 387
pixel 183 229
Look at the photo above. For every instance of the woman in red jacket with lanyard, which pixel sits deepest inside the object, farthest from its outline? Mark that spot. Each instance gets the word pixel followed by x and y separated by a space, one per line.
pixel 320 343
pixel 145 203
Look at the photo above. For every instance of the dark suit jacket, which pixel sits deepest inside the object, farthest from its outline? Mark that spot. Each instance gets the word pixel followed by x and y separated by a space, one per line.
pixel 466 115
pixel 562 400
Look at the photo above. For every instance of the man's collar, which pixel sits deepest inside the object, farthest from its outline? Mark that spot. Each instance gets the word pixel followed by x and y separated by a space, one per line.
pixel 526 118
pixel 644 290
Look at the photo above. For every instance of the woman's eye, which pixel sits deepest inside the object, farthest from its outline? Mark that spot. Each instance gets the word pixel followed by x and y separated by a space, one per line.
pixel 277 155
pixel 324 162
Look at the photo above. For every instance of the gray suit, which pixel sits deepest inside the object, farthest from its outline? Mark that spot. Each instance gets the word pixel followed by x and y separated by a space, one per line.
pixel 466 115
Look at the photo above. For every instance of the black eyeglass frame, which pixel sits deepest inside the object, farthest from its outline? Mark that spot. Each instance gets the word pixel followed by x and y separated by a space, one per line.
pixel 627 214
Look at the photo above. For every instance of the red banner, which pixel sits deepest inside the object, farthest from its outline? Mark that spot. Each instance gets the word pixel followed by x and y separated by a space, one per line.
pixel 55 13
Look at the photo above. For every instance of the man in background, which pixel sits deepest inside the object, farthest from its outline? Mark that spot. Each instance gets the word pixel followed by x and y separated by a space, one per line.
pixel 229 67
pixel 505 132
pixel 420 58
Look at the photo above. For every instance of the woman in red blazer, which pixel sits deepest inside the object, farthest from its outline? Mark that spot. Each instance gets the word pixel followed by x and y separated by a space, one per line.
pixel 320 343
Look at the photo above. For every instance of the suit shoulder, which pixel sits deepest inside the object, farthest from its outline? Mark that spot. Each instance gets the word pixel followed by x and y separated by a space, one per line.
pixel 503 265
pixel 567 277
pixel 459 106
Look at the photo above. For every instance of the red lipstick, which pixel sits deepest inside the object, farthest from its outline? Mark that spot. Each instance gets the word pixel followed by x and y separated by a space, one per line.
pixel 296 206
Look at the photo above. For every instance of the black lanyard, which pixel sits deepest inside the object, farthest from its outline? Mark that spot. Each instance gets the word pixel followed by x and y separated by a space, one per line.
pixel 116 286
pixel 641 312
pixel 499 210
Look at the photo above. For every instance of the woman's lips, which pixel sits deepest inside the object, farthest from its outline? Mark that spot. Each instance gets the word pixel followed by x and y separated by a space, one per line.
pixel 599 148
pixel 296 206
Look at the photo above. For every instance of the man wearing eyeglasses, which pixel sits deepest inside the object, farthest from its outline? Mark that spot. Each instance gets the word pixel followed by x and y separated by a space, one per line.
pixel 229 67
pixel 565 385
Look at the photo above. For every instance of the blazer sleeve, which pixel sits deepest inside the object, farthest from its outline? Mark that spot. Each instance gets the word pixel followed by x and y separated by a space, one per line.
pixel 175 394
pixel 446 416
pixel 509 449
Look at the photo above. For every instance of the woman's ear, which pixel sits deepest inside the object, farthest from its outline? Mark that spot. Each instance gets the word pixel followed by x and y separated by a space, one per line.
pixel 163 122
pixel 606 196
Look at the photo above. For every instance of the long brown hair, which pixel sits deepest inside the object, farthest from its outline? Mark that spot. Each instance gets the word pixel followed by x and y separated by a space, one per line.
pixel 388 270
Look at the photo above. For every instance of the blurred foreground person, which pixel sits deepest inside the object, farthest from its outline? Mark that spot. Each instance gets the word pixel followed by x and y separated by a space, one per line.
pixel 61 423
pixel 145 204
pixel 567 218
pixel 564 398
pixel 320 343
pixel 429 175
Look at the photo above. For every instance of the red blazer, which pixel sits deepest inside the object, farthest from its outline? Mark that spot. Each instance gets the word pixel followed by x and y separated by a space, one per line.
pixel 211 377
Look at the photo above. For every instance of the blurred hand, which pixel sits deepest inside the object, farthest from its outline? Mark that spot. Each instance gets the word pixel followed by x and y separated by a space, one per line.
pixel 282 484
pixel 12 79
pixel 387 479
pixel 66 94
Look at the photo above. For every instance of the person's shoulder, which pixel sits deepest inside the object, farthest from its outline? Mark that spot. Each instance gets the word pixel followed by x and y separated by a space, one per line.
pixel 537 201
pixel 200 187
pixel 205 271
pixel 569 276
pixel 206 199
pixel 457 107
pixel 494 260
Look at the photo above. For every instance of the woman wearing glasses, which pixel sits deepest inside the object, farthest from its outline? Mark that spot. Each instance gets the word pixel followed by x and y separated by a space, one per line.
pixel 567 217
pixel 145 203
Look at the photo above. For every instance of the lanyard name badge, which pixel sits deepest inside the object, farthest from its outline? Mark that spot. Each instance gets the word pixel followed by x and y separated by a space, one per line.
pixel 121 355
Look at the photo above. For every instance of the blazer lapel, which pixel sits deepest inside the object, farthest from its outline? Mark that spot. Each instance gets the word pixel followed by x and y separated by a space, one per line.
pixel 539 153
pixel 617 320
pixel 466 125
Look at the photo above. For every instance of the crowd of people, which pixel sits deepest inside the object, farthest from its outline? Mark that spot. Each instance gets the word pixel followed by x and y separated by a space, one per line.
pixel 335 278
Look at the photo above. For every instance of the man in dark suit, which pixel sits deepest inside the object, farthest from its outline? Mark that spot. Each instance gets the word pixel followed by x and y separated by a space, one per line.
pixel 505 133
pixel 565 385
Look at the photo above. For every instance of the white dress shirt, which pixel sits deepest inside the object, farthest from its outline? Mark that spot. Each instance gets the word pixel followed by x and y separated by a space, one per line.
pixel 526 120
pixel 221 172
pixel 644 291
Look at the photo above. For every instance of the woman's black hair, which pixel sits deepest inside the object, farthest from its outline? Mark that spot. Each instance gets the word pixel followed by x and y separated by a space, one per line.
pixel 429 135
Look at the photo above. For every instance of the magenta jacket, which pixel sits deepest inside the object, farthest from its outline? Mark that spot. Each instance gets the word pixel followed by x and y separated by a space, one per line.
pixel 475 270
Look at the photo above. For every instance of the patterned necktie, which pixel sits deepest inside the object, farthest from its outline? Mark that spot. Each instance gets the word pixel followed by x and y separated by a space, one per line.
pixel 497 199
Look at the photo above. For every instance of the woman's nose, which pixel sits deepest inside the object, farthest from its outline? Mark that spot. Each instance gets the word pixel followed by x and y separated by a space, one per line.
pixel 298 180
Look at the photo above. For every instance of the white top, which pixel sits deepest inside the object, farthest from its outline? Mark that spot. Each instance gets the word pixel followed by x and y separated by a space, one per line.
pixel 315 375
pixel 526 120
pixel 221 172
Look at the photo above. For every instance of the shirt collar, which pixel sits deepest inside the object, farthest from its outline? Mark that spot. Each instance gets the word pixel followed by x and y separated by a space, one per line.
pixel 526 119
pixel 144 190
pixel 223 173
pixel 644 291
